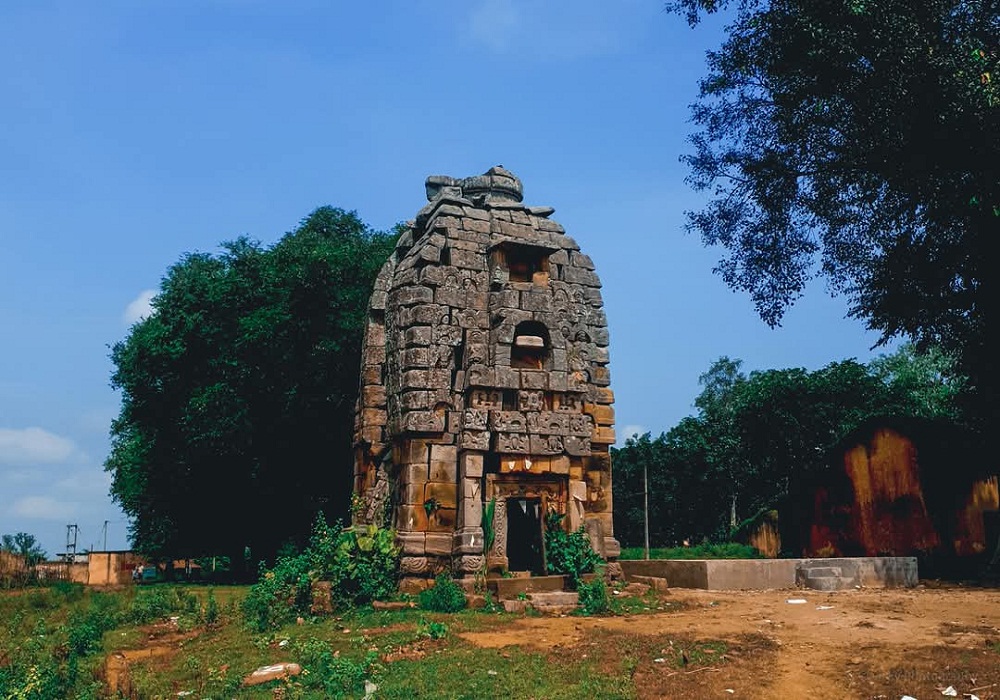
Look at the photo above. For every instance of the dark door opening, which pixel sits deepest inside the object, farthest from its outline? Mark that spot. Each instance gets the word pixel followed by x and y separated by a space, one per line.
pixel 524 535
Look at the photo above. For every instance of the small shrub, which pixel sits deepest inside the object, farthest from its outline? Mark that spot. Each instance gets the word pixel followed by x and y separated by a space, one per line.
pixel 152 604
pixel 361 563
pixel 444 596
pixel 432 630
pixel 336 676
pixel 69 591
pixel 594 597
pixel 211 608
pixel 279 594
pixel 568 553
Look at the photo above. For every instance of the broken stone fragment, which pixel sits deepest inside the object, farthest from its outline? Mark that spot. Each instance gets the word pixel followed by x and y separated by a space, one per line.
pixel 266 674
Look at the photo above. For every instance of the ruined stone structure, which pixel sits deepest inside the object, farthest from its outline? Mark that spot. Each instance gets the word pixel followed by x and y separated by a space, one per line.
pixel 484 376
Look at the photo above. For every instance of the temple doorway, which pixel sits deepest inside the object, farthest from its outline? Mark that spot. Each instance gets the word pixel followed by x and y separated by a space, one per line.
pixel 524 535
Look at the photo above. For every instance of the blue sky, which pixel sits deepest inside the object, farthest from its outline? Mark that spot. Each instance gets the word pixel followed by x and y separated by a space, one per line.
pixel 131 133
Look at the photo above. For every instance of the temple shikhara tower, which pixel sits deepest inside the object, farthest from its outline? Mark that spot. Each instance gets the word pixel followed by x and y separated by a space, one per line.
pixel 484 379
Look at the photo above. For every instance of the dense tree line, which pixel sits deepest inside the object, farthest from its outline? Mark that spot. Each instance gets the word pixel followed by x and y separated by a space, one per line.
pixel 756 437
pixel 857 139
pixel 238 392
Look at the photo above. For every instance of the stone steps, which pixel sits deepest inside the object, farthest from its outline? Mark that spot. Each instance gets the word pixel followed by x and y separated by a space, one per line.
pixel 824 578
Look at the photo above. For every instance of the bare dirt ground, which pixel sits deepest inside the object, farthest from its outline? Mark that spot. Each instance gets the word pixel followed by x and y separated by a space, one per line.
pixel 871 643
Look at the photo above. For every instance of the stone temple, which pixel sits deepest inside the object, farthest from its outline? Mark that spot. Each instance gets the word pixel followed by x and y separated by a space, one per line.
pixel 484 379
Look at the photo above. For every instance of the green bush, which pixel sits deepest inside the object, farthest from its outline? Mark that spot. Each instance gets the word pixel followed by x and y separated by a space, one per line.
pixel 211 608
pixel 362 563
pixel 279 594
pixel 337 677
pixel 431 630
pixel 444 596
pixel 568 553
pixel 594 597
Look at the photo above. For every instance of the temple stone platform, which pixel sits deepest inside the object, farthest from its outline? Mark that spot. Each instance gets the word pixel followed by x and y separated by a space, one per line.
pixel 762 574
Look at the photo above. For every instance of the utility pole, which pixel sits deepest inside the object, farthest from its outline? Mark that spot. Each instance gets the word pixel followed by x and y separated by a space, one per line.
pixel 72 531
pixel 105 535
pixel 645 506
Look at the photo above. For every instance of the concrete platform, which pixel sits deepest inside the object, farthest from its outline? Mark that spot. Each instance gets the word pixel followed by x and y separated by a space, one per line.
pixel 763 574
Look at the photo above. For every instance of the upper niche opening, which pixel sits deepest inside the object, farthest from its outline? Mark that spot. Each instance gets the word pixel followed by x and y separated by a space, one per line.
pixel 531 346
pixel 526 263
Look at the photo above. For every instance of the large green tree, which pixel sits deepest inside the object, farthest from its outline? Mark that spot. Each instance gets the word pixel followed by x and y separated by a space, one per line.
pixel 859 139
pixel 238 391
pixel 756 438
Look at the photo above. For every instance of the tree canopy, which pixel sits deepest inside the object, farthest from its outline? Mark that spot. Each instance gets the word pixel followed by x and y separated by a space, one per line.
pixel 858 139
pixel 238 391
pixel 756 437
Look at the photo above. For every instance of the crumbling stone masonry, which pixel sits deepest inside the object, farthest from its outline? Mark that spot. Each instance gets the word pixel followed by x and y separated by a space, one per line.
pixel 484 376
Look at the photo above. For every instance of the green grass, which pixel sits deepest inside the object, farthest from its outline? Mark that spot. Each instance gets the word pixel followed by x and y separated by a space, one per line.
pixel 406 653
pixel 725 550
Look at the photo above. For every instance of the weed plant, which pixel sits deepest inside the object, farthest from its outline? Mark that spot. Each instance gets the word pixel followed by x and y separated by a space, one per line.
pixel 444 596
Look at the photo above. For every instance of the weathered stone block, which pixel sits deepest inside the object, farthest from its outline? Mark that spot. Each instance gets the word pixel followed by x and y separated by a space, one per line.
pixel 487 399
pixel 546 444
pixel 531 400
pixel 577 446
pixel 373 416
pixel 442 469
pixel 472 318
pixel 411 518
pixel 507 378
pixel 418 335
pixel 442 493
pixel 424 422
pixel 600 376
pixel 410 296
pixel 536 301
pixel 548 423
pixel 602 414
pixel 475 440
pixel 442 520
pixel 504 299
pixel 513 443
pixel 426 314
pixel 411 543
pixel 580 425
pixel 413 451
pixel 471 466
pixel 475 419
pixel 480 375
pixel 449 296
pixel 418 358
pixel 559 465
pixel 412 493
pixel 467 259
pixel 604 395
pixel 603 436
pixel 509 421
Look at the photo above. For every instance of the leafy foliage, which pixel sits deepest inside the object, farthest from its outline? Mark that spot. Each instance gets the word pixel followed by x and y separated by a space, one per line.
pixel 594 596
pixel 444 596
pixel 859 136
pixel 568 553
pixel 335 676
pixel 240 382
pixel 754 435
pixel 362 565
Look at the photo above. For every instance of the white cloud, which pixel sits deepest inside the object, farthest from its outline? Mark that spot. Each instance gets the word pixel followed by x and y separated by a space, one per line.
pixel 42 508
pixel 19 446
pixel 628 431
pixel 139 308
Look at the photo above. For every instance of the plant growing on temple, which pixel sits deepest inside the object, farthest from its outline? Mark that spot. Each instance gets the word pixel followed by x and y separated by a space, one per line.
pixel 568 553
